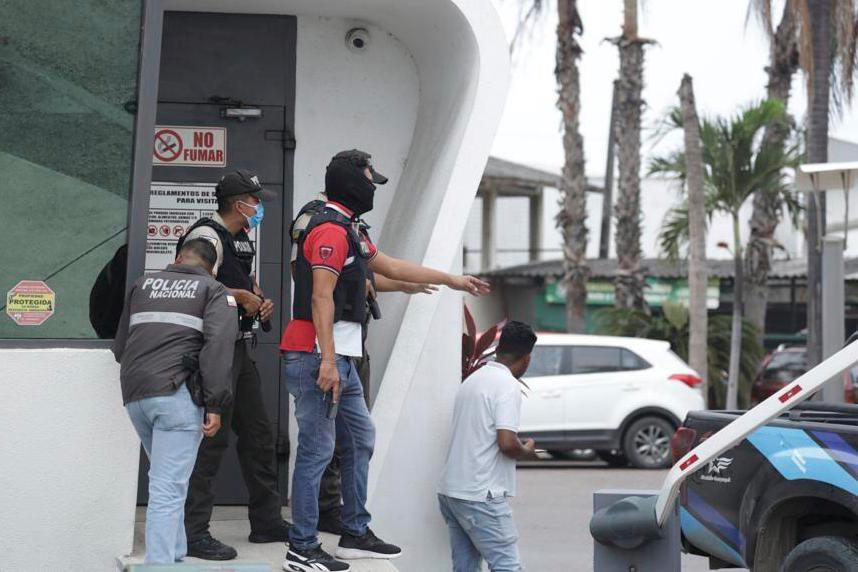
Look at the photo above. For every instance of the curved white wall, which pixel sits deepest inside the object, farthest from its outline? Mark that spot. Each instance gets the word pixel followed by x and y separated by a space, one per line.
pixel 344 100
pixel 68 461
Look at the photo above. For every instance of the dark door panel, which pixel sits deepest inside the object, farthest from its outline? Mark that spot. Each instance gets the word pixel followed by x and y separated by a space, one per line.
pixel 239 56
pixel 248 59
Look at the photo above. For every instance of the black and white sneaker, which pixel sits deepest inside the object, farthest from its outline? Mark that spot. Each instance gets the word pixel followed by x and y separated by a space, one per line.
pixel 366 546
pixel 312 560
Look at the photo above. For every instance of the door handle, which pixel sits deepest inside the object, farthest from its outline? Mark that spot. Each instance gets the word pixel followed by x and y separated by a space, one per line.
pixel 551 394
pixel 631 387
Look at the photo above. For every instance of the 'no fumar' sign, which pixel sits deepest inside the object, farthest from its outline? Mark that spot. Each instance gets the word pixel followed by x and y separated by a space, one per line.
pixel 182 146
pixel 30 303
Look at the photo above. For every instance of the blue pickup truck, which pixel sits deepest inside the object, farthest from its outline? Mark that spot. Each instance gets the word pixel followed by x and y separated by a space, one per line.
pixel 784 499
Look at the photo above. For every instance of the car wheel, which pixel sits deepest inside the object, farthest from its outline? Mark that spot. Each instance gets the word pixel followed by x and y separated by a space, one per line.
pixel 646 443
pixel 823 554
pixel 613 457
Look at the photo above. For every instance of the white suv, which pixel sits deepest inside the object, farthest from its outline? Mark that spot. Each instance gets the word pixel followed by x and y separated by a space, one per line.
pixel 623 397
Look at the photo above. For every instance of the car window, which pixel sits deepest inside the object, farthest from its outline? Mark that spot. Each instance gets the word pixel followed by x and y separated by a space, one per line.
pixel 593 359
pixel 546 360
pixel 788 360
pixel 631 361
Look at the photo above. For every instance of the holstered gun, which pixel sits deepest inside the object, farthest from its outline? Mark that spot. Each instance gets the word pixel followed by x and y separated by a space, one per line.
pixel 194 381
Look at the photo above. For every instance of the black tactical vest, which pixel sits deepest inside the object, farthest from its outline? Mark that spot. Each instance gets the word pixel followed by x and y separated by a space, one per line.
pixel 350 291
pixel 237 265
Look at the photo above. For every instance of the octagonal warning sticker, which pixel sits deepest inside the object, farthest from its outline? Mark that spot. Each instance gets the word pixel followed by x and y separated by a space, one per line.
pixel 30 303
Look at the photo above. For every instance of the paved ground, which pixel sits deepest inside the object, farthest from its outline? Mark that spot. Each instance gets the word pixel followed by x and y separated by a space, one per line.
pixel 230 525
pixel 553 510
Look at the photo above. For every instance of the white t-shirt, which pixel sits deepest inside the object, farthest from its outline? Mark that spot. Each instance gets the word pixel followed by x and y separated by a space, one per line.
pixel 211 235
pixel 490 399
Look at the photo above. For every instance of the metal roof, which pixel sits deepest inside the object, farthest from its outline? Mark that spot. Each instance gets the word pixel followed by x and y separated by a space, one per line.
pixel 514 179
pixel 507 170
pixel 658 268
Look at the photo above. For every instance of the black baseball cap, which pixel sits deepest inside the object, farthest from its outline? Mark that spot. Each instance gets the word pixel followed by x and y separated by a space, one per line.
pixel 242 182
pixel 360 159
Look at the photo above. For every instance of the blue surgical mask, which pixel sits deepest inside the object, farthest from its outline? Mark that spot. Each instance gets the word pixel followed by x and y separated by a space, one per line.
pixel 255 220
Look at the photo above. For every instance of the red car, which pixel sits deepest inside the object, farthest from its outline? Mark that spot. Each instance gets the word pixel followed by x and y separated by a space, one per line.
pixel 782 366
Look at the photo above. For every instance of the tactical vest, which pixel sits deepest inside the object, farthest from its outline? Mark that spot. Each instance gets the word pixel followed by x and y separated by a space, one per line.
pixel 350 290
pixel 237 264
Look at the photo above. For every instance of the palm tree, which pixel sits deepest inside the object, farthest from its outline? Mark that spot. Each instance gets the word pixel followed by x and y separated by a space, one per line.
pixel 736 165
pixel 629 283
pixel 819 37
pixel 697 275
pixel 766 215
pixel 572 218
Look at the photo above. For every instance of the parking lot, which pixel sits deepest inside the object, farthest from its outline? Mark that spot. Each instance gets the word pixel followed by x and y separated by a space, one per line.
pixel 553 509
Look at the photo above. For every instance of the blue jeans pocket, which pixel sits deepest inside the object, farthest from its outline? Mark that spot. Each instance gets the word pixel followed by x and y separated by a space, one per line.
pixel 177 412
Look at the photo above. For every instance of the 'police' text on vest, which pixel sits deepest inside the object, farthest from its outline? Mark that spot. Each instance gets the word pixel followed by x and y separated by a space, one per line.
pixel 161 288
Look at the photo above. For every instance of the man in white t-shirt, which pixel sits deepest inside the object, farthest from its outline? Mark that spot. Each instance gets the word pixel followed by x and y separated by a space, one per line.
pixel 479 476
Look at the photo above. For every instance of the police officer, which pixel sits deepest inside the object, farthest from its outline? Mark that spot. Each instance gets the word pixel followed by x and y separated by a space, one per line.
pixel 320 345
pixel 174 318
pixel 239 197
pixel 330 495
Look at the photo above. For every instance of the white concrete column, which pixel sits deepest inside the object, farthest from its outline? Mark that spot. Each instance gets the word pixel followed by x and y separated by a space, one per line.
pixel 488 246
pixel 535 238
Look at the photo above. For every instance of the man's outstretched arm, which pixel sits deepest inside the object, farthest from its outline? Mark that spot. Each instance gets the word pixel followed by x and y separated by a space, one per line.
pixel 385 284
pixel 397 269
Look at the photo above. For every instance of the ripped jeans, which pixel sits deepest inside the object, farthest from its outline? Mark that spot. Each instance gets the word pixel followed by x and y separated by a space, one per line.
pixel 481 530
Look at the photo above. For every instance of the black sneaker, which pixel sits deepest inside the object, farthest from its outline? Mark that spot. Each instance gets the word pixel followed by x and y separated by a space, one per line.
pixel 331 522
pixel 209 548
pixel 312 560
pixel 366 546
pixel 280 533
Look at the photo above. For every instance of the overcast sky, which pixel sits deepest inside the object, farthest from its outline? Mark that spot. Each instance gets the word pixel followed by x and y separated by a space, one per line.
pixel 706 38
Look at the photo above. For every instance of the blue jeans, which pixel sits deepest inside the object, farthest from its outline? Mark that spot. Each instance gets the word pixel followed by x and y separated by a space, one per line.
pixel 317 435
pixel 480 530
pixel 170 428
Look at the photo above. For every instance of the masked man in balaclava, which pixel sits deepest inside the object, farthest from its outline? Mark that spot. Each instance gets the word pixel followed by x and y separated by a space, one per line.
pixel 320 346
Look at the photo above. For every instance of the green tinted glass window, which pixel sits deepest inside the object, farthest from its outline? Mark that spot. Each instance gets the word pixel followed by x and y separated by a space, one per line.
pixel 68 74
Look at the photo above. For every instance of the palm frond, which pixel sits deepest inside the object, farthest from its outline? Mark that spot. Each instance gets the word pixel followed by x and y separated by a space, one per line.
pixel 529 12
pixel 762 11
pixel 674 232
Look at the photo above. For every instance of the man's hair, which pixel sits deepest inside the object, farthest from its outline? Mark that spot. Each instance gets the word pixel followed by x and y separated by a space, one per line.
pixel 224 204
pixel 517 340
pixel 202 249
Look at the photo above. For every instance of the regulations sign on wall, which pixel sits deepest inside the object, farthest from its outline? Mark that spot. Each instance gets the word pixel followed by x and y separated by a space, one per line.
pixel 173 208
pixel 182 146
pixel 30 303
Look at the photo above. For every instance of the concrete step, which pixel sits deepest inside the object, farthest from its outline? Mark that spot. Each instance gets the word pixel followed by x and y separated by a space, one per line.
pixel 230 525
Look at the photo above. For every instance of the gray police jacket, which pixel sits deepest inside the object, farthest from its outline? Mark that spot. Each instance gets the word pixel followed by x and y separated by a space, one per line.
pixel 180 310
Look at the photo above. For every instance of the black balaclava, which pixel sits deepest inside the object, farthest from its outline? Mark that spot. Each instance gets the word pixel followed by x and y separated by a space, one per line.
pixel 347 184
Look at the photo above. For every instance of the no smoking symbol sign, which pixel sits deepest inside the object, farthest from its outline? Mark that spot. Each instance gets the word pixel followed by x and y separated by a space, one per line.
pixel 168 145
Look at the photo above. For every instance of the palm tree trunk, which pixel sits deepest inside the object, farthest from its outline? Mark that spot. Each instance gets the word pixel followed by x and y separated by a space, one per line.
pixel 736 333
pixel 697 274
pixel 572 217
pixel 819 85
pixel 629 283
pixel 766 211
